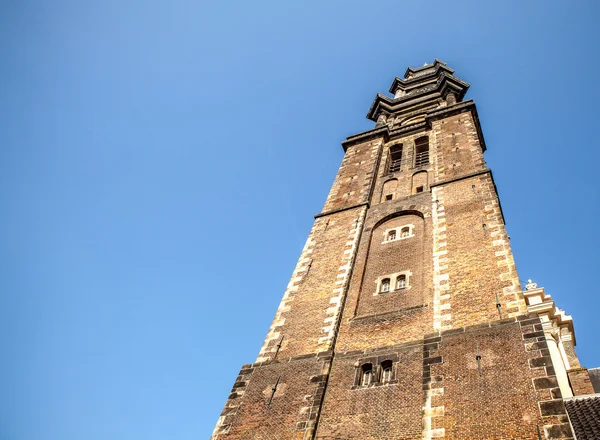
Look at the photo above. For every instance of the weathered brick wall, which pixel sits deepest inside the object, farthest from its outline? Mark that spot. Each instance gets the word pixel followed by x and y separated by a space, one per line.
pixel 516 392
pixel 478 260
pixel 502 401
pixel 390 257
pixel 404 317
pixel 293 408
pixel 580 381
pixel 378 411
pixel 456 147
pixel 307 314
pixel 438 392
pixel 353 183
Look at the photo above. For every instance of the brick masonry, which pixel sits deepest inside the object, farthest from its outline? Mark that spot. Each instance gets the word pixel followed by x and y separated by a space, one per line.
pixel 253 411
pixel 463 298
pixel 580 381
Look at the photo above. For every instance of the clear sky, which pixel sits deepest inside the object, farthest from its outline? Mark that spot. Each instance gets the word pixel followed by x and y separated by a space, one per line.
pixel 161 163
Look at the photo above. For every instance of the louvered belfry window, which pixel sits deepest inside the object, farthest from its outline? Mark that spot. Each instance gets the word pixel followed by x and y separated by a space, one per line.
pixel 395 158
pixel 421 151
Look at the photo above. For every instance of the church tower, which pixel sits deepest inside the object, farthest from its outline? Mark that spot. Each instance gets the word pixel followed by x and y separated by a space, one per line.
pixel 404 317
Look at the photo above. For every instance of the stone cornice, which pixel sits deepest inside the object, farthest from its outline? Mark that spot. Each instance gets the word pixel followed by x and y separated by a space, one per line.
pixel 467 176
pixel 469 105
pixel 411 128
pixel 439 113
pixel 335 211
pixel 456 179
pixel 541 304
pixel 366 136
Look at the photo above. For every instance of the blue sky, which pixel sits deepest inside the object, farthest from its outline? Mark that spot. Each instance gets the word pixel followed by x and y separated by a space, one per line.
pixel 161 163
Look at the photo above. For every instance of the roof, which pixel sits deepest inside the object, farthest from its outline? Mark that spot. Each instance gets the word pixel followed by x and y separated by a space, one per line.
pixel 423 85
pixel 584 414
pixel 425 66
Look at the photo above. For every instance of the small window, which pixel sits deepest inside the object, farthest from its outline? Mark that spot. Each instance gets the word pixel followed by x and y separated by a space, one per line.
pixel 366 375
pixel 419 189
pixel 386 371
pixel 388 197
pixel 421 151
pixel 392 235
pixel 385 285
pixel 405 232
pixel 395 158
pixel 401 282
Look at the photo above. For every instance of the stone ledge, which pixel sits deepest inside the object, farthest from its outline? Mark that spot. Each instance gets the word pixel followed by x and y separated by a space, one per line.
pixel 394 312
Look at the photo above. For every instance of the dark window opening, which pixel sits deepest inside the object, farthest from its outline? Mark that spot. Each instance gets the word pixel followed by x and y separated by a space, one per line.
pixel 386 371
pixel 421 151
pixel 388 197
pixel 395 158
pixel 419 189
pixel 366 375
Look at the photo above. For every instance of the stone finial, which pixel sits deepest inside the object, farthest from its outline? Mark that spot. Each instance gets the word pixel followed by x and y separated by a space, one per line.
pixel 531 285
pixel 381 120
pixel 399 93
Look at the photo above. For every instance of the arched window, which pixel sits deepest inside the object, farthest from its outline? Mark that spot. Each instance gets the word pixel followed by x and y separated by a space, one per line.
pixel 366 377
pixel 401 282
pixel 386 371
pixel 392 235
pixel 405 232
pixel 421 151
pixel 385 285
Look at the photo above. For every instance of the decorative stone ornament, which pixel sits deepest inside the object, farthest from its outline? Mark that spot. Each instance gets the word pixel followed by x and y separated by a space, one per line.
pixel 531 285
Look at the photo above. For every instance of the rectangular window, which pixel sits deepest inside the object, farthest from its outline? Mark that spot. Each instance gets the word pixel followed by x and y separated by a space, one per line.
pixel 388 197
pixel 422 151
pixel 419 189
pixel 395 158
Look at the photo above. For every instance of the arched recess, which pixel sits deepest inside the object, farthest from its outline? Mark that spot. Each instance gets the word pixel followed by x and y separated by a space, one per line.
pixel 389 191
pixel 420 182
pixel 401 213
pixel 403 257
pixel 414 119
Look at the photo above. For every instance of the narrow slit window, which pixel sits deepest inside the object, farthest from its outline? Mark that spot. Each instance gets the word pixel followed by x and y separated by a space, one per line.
pixel 401 282
pixel 392 235
pixel 386 371
pixel 421 151
pixel 366 375
pixel 395 158
pixel 385 285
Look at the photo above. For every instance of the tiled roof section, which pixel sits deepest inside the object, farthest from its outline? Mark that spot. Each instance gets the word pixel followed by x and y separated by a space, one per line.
pixel 584 413
pixel 595 377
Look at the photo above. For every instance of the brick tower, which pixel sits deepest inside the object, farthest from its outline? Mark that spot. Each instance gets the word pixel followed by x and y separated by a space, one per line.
pixel 404 317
